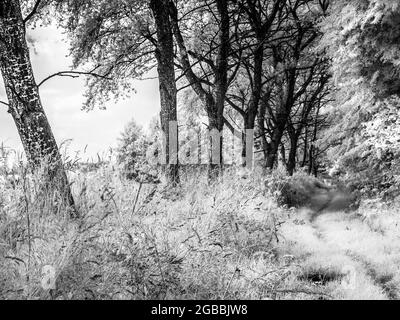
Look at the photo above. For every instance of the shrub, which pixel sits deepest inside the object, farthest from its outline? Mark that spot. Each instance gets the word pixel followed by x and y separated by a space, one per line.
pixel 302 190
pixel 132 155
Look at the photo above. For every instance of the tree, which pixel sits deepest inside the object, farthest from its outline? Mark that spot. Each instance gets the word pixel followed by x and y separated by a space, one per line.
pixel 24 101
pixel 164 54
pixel 362 39
pixel 260 17
pixel 123 40
pixel 132 155
pixel 211 84
pixel 284 71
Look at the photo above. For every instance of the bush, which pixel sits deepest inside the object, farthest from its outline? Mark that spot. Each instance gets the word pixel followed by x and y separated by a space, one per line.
pixel 302 190
pixel 132 157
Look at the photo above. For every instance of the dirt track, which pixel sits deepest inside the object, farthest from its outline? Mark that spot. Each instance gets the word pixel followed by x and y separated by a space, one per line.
pixel 346 256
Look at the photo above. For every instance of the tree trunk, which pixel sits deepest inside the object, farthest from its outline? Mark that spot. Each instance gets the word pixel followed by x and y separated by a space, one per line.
pixel 283 153
pixel 311 164
pixel 166 74
pixel 24 101
pixel 215 111
pixel 215 126
pixel 276 139
pixel 261 126
pixel 303 163
pixel 250 115
pixel 313 168
pixel 291 163
pixel 248 141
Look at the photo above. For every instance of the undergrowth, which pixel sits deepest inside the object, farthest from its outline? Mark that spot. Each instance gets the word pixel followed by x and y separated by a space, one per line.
pixel 138 241
pixel 151 241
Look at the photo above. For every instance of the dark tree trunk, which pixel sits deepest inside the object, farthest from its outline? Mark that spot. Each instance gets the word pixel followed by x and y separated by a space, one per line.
pixel 250 115
pixel 285 104
pixel 215 126
pixel 311 163
pixel 312 167
pixel 283 153
pixel 291 163
pixel 276 138
pixel 303 163
pixel 294 135
pixel 261 125
pixel 215 111
pixel 24 101
pixel 166 74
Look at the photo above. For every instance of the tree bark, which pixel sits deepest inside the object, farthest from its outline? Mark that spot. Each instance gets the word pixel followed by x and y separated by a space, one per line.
pixel 250 115
pixel 282 115
pixel 305 148
pixel 24 101
pixel 313 167
pixel 215 126
pixel 166 73
pixel 274 145
pixel 291 163
pixel 261 124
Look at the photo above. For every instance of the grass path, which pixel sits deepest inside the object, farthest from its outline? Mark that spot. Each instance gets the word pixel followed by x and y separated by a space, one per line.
pixel 346 256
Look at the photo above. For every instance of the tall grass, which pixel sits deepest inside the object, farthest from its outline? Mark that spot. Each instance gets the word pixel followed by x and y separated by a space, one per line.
pixel 137 241
pixel 228 240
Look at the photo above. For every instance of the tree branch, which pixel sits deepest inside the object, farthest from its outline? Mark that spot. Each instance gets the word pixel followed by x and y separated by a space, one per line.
pixel 33 12
pixel 72 74
pixel 235 107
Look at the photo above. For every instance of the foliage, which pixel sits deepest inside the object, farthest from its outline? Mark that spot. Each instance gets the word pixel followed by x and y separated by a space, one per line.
pixel 112 39
pixel 361 37
pixel 132 154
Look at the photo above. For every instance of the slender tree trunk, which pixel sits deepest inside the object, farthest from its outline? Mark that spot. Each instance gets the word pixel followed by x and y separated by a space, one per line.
pixel 311 165
pixel 294 135
pixel 303 163
pixel 312 168
pixel 24 101
pixel 276 139
pixel 249 124
pixel 250 115
pixel 283 153
pixel 166 74
pixel 261 126
pixel 215 126
pixel 291 163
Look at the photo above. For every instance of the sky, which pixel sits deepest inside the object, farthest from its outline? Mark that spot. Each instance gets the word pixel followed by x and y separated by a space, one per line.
pixel 62 99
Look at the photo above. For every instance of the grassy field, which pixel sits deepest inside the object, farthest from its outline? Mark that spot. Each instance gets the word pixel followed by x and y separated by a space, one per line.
pixel 229 240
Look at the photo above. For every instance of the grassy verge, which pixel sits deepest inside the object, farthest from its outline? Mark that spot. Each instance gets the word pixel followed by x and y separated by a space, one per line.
pixel 229 240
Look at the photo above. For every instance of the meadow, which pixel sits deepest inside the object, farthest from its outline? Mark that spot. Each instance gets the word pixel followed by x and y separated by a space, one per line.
pixel 228 240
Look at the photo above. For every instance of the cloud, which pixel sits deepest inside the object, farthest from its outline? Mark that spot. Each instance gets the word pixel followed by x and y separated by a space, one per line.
pixel 62 99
